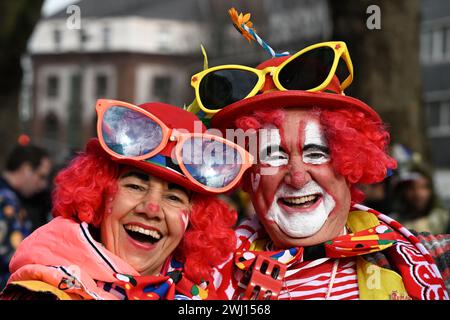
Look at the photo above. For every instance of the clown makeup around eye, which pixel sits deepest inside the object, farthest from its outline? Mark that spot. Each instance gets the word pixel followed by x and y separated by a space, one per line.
pixel 271 153
pixel 315 149
pixel 304 202
pixel 315 154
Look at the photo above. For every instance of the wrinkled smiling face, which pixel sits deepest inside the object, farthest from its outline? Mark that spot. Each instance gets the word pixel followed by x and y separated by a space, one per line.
pixel 299 198
pixel 145 220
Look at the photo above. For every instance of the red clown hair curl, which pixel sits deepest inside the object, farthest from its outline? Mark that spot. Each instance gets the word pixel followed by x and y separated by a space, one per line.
pixel 358 144
pixel 81 191
pixel 358 147
pixel 82 187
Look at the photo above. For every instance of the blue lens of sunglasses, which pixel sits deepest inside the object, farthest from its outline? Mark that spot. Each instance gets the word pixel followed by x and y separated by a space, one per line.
pixel 130 133
pixel 211 162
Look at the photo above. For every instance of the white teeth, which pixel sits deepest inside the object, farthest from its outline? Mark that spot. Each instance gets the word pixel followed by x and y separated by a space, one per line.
pixel 300 200
pixel 152 233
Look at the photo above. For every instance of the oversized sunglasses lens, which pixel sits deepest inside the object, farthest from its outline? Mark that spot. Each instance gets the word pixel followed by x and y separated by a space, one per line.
pixel 307 71
pixel 342 71
pixel 130 133
pixel 223 87
pixel 210 162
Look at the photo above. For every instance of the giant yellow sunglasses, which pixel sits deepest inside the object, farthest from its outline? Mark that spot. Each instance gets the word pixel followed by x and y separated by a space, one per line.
pixel 311 69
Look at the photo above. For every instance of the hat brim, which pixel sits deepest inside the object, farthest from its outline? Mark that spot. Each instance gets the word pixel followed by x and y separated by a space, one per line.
pixel 288 99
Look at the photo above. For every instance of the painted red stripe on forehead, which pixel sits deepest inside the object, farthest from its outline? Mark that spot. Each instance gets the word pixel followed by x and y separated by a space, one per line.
pixel 301 135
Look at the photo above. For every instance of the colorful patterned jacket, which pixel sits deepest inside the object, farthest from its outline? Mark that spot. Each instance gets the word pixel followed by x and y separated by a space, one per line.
pixel 14 227
pixel 410 267
pixel 62 261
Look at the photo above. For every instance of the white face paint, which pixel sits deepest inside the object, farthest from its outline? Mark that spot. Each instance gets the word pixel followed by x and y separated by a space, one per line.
pixel 303 222
pixel 269 147
pixel 306 222
pixel 315 149
pixel 185 218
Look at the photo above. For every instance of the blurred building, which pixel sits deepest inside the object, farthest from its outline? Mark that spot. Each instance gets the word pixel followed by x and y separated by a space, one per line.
pixel 136 51
pixel 435 57
pixel 141 51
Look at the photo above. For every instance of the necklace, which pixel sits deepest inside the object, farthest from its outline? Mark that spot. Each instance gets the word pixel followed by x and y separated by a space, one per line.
pixel 332 278
pixel 333 273
pixel 330 284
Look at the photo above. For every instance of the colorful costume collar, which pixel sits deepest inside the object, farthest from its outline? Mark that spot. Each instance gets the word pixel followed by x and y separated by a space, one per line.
pixel 375 232
pixel 64 255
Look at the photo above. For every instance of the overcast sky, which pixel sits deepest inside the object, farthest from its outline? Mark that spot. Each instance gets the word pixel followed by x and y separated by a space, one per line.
pixel 52 6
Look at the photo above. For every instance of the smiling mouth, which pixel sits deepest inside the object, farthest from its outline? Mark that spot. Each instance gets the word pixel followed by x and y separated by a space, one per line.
pixel 142 235
pixel 300 202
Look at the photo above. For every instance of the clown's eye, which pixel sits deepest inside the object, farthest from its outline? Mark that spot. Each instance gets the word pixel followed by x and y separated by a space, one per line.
pixel 316 155
pixel 175 198
pixel 274 156
pixel 135 187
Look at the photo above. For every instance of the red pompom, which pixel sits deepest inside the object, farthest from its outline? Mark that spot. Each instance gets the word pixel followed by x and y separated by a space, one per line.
pixel 24 140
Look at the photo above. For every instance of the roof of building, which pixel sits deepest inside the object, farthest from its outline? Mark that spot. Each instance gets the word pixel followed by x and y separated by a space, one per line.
pixel 186 10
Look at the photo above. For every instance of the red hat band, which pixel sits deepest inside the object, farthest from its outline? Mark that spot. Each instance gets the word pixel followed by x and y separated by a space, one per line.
pixel 271 97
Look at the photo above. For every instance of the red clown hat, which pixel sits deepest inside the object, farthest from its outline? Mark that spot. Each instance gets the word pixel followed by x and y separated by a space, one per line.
pixel 270 98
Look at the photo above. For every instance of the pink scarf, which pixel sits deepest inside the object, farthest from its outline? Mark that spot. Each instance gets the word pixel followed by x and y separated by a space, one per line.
pixel 64 254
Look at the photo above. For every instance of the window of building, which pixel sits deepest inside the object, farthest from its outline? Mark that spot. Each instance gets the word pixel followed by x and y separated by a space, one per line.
pixel 101 86
pixel 51 127
pixel 425 46
pixel 83 37
pixel 106 37
pixel 435 45
pixel 447 44
pixel 433 110
pixel 52 86
pixel 57 38
pixel 438 118
pixel 162 88
pixel 164 39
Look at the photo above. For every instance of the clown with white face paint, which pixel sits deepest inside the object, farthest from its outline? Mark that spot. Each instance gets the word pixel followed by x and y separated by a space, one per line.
pixel 304 213
pixel 300 212
pixel 296 196
pixel 310 239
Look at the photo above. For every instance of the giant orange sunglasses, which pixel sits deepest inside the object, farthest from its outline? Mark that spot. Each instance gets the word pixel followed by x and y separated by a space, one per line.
pixel 126 131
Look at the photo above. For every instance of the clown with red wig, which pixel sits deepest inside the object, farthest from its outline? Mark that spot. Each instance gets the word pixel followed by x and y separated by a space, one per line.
pixel 136 213
pixel 310 239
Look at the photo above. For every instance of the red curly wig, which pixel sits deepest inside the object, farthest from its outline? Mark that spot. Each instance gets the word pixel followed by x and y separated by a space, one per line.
pixel 80 193
pixel 358 144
